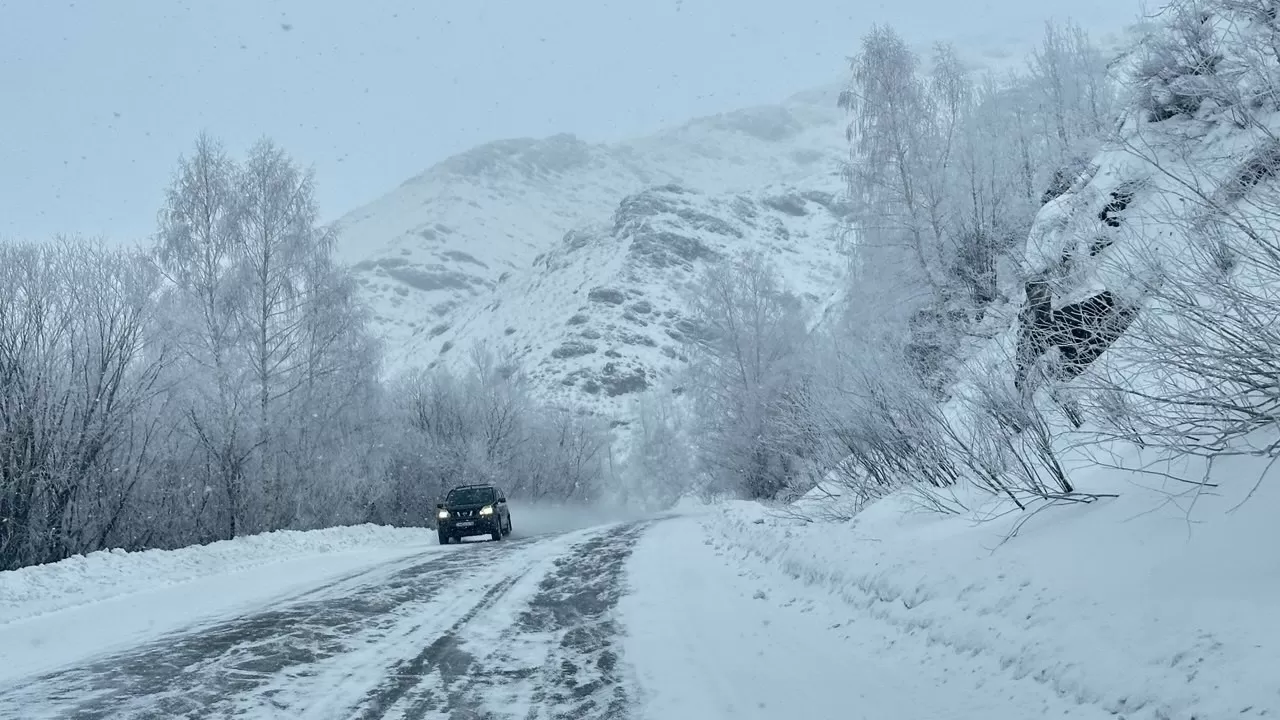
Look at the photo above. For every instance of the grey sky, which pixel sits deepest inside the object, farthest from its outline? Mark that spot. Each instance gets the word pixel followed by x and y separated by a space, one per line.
pixel 99 98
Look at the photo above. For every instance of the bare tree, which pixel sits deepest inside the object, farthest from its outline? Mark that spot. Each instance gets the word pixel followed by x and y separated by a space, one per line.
pixel 949 173
pixel 749 329
pixel 78 384
pixel 897 156
pixel 278 245
pixel 660 463
pixel 196 250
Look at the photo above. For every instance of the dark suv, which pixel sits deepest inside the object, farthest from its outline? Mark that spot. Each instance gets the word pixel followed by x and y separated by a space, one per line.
pixel 473 510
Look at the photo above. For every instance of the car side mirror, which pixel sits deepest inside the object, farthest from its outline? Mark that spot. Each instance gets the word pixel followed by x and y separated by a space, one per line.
pixel 439 506
pixel 501 499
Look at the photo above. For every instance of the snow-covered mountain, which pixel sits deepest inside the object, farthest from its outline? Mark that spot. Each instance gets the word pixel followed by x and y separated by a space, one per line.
pixel 602 313
pixel 575 255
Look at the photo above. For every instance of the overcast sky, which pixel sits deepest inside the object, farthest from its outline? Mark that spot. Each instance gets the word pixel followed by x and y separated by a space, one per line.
pixel 98 99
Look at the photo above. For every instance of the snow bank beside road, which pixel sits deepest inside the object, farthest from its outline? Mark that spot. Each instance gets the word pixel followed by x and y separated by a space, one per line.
pixel 1158 604
pixel 712 632
pixel 67 612
pixel 102 575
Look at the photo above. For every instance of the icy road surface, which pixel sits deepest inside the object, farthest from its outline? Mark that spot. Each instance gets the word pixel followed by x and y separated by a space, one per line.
pixel 466 632
pixel 663 619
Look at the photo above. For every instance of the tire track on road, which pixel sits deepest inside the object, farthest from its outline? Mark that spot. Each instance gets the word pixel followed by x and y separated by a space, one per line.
pixel 556 658
pixel 213 670
pixel 582 678
pixel 443 656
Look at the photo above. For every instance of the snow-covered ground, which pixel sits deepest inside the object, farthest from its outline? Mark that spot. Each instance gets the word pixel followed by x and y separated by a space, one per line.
pixel 717 632
pixel 99 576
pixel 1156 604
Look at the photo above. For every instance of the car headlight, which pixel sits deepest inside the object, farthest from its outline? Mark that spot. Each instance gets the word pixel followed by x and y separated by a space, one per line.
pixel 486 510
pixel 443 515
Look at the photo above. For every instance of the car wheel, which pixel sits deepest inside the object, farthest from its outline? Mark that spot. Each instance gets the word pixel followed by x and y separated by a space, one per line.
pixel 498 535
pixel 508 526
pixel 444 539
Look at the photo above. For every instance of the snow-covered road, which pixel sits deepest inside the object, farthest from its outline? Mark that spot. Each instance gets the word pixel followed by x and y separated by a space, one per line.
pixel 660 619
pixel 521 623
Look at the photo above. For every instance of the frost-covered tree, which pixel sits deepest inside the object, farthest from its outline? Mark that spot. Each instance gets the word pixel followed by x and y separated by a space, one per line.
pixel 79 396
pixel 197 250
pixel 482 424
pixel 660 463
pixel 896 150
pixel 1198 372
pixel 749 330
pixel 948 172
pixel 1077 100
pixel 564 457
pixel 277 243
pixel 277 369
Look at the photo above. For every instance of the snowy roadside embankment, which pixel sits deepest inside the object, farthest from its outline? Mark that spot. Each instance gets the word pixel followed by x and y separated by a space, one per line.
pixel 64 612
pixel 713 632
pixel 109 573
pixel 1156 604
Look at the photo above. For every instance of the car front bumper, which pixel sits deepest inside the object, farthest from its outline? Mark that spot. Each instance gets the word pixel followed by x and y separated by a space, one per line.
pixel 470 526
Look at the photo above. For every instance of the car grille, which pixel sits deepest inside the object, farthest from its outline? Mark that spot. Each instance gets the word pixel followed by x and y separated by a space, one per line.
pixel 464 514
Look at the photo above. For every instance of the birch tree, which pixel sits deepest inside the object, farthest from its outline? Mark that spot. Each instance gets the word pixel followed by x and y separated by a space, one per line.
pixel 279 250
pixel 889 162
pixel 749 329
pixel 197 249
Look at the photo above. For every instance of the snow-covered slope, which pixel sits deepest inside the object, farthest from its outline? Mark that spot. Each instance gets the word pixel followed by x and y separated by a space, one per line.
pixel 1151 606
pixel 1174 220
pixel 602 314
pixel 1148 594
pixel 443 243
pixel 1139 591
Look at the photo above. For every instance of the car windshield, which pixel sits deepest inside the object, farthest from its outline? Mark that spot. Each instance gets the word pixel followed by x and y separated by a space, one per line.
pixel 469 496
